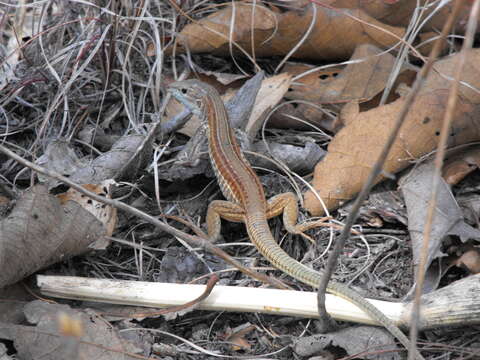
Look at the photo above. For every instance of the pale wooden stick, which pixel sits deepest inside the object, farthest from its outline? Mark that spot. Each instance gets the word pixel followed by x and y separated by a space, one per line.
pixel 457 304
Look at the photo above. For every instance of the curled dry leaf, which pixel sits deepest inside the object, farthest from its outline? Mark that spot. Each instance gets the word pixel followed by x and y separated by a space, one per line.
pixel 457 167
pixel 470 260
pixel 40 231
pixel 270 93
pixel 416 189
pixel 467 259
pixel 237 337
pixel 334 35
pixel 300 159
pixel 106 214
pixel 126 158
pixel 356 147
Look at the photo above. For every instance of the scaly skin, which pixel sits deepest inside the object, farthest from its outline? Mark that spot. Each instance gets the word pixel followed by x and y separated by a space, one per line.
pixel 246 198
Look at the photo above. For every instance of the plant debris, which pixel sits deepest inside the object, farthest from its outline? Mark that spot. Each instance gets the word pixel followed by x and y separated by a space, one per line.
pixel 82 93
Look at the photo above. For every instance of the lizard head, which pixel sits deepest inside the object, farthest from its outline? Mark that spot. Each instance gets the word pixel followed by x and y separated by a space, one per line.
pixel 191 93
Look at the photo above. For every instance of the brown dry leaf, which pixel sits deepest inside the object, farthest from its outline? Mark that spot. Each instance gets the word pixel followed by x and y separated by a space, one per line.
pixel 470 260
pixel 40 231
pixel 335 35
pixel 237 337
pixel 305 88
pixel 297 115
pixel 399 12
pixel 457 167
pixel 356 147
pixel 360 81
pixel 270 93
pixel 106 214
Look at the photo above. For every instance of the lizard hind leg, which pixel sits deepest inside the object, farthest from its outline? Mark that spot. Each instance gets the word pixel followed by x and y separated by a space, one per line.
pixel 286 203
pixel 220 209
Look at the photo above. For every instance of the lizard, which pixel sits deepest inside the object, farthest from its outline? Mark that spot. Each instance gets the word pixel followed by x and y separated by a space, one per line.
pixel 246 200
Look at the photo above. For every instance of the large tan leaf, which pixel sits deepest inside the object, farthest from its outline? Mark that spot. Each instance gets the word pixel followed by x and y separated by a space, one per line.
pixel 356 147
pixel 400 12
pixel 361 80
pixel 333 36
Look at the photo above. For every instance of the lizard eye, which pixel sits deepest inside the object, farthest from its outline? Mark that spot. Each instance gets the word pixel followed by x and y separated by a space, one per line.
pixel 184 91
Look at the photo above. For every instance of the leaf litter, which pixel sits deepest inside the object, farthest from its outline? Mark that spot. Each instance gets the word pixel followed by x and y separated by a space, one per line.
pixel 81 91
